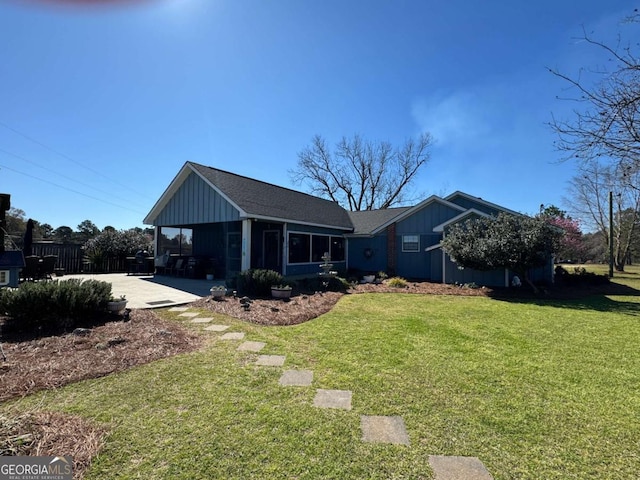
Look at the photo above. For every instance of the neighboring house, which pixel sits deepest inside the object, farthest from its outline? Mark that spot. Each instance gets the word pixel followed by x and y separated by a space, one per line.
pixel 238 223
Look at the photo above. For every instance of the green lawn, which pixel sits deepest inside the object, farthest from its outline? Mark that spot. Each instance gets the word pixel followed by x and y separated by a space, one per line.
pixel 536 390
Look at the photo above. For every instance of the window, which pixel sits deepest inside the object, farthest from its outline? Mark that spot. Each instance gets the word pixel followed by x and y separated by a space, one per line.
pixel 4 277
pixel 320 246
pixel 411 243
pixel 308 248
pixel 299 247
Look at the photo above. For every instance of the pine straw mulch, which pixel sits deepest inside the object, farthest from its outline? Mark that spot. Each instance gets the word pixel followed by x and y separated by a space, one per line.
pixel 51 434
pixel 51 362
pixel 306 306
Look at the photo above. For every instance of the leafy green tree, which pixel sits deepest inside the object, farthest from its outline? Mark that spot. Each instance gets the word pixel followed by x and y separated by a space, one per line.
pixel 86 230
pixel 516 242
pixel 63 234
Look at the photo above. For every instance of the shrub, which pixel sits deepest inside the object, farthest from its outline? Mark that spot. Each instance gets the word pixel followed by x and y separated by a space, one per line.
pixel 579 277
pixel 315 284
pixel 257 282
pixel 53 306
pixel 397 282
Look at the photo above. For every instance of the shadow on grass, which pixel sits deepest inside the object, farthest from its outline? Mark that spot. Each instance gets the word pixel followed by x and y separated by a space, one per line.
pixel 596 298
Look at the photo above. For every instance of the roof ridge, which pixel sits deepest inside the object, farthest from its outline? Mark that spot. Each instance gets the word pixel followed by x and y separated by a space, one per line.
pixel 264 183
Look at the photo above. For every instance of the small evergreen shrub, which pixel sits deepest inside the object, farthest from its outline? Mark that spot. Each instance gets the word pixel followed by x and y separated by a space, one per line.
pixel 257 282
pixel 397 282
pixel 580 276
pixel 53 306
pixel 315 284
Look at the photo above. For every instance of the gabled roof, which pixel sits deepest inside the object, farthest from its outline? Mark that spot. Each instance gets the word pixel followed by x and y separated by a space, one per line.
pixel 378 221
pixel 365 222
pixel 458 193
pixel 260 200
pixel 459 218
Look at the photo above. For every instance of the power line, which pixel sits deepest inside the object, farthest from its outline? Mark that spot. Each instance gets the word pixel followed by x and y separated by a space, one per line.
pixel 61 175
pixel 71 190
pixel 31 139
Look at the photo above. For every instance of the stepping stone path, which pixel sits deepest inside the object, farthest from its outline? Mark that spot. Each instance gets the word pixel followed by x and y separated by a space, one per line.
pixel 251 346
pixel 333 399
pixel 296 378
pixel 375 428
pixel 458 468
pixel 202 320
pixel 217 328
pixel 379 429
pixel 271 360
pixel 232 336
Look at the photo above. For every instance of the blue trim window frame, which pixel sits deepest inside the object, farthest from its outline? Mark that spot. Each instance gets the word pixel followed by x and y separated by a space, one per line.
pixel 308 248
pixel 411 243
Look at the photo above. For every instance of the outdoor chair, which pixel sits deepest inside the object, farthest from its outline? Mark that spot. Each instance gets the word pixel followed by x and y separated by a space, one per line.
pixel 47 266
pixel 31 270
pixel 177 267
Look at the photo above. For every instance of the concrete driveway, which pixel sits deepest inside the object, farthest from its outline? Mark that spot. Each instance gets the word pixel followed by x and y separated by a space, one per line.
pixel 152 291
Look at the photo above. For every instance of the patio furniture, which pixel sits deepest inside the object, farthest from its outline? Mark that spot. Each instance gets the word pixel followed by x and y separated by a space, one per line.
pixel 177 267
pixel 47 266
pixel 31 270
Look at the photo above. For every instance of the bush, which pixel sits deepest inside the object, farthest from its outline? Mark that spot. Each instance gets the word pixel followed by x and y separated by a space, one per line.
pixel 53 306
pixel 580 276
pixel 257 282
pixel 397 282
pixel 315 284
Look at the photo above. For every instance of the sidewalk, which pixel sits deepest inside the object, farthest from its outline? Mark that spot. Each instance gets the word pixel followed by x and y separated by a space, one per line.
pixel 149 291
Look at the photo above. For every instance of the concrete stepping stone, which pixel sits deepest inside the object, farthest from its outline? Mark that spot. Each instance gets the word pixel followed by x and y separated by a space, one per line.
pixel 383 429
pixel 271 360
pixel 216 328
pixel 333 399
pixel 188 314
pixel 296 378
pixel 178 309
pixel 458 468
pixel 232 336
pixel 251 346
pixel 202 320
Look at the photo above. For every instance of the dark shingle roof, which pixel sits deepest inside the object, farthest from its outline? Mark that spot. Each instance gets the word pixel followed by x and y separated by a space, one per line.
pixel 367 221
pixel 267 200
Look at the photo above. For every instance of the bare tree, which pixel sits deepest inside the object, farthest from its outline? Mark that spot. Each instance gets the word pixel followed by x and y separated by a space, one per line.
pixel 360 174
pixel 589 200
pixel 605 122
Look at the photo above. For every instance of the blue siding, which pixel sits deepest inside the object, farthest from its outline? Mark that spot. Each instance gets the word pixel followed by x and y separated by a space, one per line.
pixel 420 265
pixel 196 202
pixel 493 278
pixel 356 248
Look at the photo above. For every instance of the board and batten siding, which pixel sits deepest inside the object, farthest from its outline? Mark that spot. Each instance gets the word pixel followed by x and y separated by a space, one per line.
pixel 195 202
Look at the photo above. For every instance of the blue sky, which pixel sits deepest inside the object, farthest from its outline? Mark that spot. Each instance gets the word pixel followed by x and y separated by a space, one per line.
pixel 100 106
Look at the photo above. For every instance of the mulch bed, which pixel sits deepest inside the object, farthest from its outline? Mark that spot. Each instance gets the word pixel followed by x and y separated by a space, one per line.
pixel 51 362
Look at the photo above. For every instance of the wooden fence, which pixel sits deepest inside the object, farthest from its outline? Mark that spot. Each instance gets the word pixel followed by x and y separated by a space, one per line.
pixel 71 257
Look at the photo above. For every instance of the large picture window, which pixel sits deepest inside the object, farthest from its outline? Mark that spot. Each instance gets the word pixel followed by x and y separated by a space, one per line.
pixel 309 248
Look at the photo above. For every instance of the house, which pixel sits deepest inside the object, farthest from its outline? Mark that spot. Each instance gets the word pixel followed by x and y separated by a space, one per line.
pixel 230 223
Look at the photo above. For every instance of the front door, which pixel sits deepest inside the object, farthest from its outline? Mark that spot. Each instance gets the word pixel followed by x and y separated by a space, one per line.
pixel 271 250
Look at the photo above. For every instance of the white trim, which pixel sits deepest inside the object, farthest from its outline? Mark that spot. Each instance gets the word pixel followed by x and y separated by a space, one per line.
pixel 457 218
pixel 311 234
pixel 433 247
pixel 458 193
pixel 415 208
pixel 417 250
pixel 5 277
pixel 289 220
pixel 245 262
